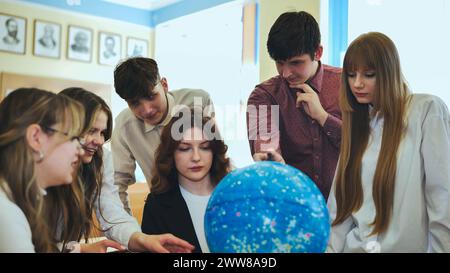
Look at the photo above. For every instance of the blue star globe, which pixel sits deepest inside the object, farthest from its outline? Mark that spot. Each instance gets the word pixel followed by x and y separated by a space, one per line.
pixel 267 207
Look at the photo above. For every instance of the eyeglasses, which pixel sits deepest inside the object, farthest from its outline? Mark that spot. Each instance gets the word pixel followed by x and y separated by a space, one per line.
pixel 81 141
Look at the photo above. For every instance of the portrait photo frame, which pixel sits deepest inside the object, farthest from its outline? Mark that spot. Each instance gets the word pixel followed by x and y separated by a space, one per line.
pixel 47 39
pixel 79 43
pixel 109 48
pixel 13 33
pixel 137 47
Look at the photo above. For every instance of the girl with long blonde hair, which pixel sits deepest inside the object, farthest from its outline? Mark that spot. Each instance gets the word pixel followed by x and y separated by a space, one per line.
pixel 39 149
pixel 391 191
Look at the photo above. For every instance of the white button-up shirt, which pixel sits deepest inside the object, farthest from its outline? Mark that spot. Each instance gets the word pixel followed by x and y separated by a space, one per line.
pixel 420 220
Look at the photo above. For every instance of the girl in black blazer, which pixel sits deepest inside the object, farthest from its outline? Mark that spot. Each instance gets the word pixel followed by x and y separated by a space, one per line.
pixel 190 162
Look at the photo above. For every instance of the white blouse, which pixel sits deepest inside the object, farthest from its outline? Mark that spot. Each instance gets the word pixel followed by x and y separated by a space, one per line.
pixel 420 220
pixel 15 232
pixel 197 208
pixel 119 224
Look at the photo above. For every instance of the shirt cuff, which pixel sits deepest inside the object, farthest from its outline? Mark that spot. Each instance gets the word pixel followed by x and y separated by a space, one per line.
pixel 73 247
pixel 332 126
pixel 125 234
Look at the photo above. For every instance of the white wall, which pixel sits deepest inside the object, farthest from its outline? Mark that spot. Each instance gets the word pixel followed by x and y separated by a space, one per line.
pixel 204 50
pixel 269 12
pixel 420 31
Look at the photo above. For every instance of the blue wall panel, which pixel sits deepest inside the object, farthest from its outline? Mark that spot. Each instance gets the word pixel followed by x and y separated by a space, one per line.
pixel 338 30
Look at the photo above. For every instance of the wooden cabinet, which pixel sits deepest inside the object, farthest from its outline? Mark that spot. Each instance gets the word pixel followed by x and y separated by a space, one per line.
pixel 137 194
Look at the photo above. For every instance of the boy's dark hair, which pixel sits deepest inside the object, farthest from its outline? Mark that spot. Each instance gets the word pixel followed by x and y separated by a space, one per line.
pixel 293 34
pixel 135 78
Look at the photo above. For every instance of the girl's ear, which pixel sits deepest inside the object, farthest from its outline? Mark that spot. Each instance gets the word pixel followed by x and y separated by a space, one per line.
pixel 34 136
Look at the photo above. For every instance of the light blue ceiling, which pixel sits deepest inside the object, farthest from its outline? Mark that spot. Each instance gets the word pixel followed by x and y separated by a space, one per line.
pixel 138 11
pixel 144 4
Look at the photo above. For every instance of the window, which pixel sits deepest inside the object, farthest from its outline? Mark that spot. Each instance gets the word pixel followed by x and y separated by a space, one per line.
pixel 204 50
pixel 417 28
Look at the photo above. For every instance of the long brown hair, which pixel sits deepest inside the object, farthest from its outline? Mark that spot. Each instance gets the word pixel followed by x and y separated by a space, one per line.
pixel 165 174
pixel 373 51
pixel 20 109
pixel 73 204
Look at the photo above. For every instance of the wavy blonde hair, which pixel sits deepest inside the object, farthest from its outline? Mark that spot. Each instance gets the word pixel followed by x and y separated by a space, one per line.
pixel 20 109
pixel 375 51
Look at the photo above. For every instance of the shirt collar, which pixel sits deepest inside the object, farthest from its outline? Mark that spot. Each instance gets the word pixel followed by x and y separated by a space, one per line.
pixel 170 103
pixel 376 119
pixel 316 80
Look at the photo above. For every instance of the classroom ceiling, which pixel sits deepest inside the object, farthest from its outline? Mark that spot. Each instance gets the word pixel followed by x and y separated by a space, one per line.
pixel 144 4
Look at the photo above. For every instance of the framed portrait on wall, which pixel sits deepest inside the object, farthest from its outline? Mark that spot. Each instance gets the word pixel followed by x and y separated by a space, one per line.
pixel 47 39
pixel 109 48
pixel 79 44
pixel 13 32
pixel 137 47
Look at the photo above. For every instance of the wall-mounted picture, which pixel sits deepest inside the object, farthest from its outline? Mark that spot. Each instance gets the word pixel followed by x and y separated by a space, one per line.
pixel 79 45
pixel 47 39
pixel 109 48
pixel 13 31
pixel 137 47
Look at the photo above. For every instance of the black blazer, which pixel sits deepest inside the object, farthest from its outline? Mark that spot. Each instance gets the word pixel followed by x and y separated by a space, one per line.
pixel 168 213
